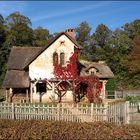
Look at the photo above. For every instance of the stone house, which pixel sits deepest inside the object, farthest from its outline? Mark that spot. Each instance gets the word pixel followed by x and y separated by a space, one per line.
pixel 30 75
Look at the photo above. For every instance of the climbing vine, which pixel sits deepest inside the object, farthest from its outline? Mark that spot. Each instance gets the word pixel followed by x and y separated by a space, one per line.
pixel 82 85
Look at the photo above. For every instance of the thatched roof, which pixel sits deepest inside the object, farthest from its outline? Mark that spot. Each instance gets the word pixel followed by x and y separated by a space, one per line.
pixel 19 56
pixel 16 79
pixel 103 71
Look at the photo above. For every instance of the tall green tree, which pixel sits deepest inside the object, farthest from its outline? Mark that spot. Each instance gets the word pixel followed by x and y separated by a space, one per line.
pixel 1 19
pixel 15 32
pixel 83 38
pixel 134 56
pixel 132 29
pixel 19 31
pixel 133 77
pixel 83 33
pixel 101 35
pixel 118 61
pixel 20 35
pixel 17 18
pixel 2 31
pixel 120 43
pixel 101 39
pixel 41 37
pixel 2 34
pixel 3 49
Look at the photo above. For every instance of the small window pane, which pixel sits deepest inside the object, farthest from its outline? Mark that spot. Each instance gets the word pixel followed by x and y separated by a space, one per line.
pixel 55 58
pixel 62 59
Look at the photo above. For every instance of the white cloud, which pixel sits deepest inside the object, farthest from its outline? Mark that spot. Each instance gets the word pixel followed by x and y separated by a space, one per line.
pixel 67 23
pixel 70 11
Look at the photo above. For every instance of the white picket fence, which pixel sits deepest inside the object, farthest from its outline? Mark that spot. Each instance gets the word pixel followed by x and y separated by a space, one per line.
pixel 134 112
pixel 118 113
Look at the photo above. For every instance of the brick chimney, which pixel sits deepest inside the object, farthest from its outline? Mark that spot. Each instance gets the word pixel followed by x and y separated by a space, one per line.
pixel 70 32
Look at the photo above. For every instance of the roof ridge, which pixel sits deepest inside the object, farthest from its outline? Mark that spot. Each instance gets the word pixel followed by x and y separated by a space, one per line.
pixel 31 47
pixel 49 44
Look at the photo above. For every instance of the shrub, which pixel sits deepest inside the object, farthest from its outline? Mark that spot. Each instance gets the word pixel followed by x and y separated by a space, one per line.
pixel 35 129
pixel 133 99
pixel 2 95
pixel 110 88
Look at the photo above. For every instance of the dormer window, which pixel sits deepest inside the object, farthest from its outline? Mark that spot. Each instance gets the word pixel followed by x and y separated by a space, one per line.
pixel 92 71
pixel 62 57
pixel 55 58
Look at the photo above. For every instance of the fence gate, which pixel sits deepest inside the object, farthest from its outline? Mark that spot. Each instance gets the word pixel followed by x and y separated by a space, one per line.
pixel 134 112
pixel 118 112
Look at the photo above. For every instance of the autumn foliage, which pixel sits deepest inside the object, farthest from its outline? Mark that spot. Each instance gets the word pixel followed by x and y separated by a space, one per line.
pixel 134 61
pixel 34 129
pixel 93 86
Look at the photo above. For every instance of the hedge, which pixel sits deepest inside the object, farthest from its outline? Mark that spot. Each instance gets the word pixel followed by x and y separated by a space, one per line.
pixel 33 129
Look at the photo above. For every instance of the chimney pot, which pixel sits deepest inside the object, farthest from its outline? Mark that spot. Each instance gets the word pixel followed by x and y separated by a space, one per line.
pixel 70 32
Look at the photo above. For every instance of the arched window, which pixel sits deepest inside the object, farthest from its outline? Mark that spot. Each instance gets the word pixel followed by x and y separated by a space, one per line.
pixel 55 58
pixel 62 57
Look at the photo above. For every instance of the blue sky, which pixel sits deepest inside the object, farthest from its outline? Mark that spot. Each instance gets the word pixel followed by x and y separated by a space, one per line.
pixel 59 15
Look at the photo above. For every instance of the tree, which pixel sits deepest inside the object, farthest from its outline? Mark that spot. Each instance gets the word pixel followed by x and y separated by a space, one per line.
pixel 101 35
pixel 134 56
pixel 134 64
pixel 121 44
pixel 4 53
pixel 100 41
pixel 20 35
pixel 2 34
pixel 19 31
pixel 41 37
pixel 83 38
pixel 83 33
pixel 3 49
pixel 16 18
pixel 1 19
pixel 16 32
pixel 132 29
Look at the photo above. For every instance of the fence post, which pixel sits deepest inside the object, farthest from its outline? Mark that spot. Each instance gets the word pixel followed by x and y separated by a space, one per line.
pixel 92 112
pixel 58 111
pixel 13 111
pixel 105 112
pixel 127 111
pixel 139 107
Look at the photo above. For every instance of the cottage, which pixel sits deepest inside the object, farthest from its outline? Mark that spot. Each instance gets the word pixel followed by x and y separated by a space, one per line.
pixel 47 74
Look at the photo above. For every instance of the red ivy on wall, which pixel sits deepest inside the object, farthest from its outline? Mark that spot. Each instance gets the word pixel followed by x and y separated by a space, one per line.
pixel 70 72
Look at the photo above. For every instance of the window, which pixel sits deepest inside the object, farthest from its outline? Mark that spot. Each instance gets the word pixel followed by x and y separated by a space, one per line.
pixel 41 87
pixel 62 59
pixel 55 58
pixel 92 72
